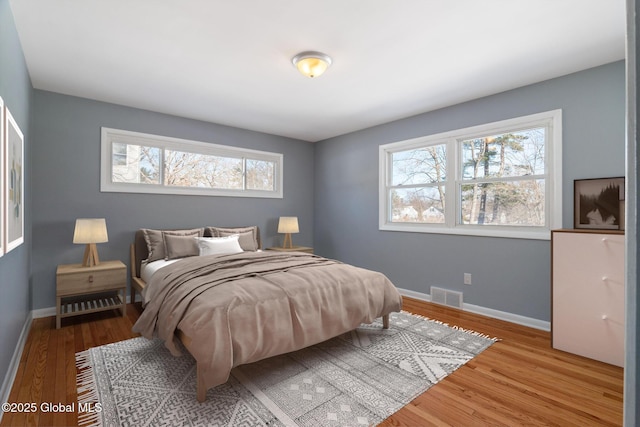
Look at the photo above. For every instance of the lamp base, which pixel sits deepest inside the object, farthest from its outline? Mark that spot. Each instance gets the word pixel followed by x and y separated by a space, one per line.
pixel 288 244
pixel 90 258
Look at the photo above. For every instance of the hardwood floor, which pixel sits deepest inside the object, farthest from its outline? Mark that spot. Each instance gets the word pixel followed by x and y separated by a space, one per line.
pixel 519 380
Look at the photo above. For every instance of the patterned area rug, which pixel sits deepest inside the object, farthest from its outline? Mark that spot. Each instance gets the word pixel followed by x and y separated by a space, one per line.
pixel 359 378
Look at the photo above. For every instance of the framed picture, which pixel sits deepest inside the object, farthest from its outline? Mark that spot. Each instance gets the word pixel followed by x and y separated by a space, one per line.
pixel 599 203
pixel 2 150
pixel 13 183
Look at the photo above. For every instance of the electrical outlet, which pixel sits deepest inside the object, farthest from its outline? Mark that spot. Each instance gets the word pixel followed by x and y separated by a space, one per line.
pixel 467 278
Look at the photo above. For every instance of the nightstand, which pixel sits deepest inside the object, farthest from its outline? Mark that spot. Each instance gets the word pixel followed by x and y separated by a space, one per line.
pixel 83 290
pixel 293 249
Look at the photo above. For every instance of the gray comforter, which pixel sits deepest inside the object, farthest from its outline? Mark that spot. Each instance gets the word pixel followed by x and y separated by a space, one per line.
pixel 241 308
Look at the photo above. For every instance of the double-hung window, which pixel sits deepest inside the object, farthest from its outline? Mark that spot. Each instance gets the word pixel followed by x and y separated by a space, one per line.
pixel 501 179
pixel 143 163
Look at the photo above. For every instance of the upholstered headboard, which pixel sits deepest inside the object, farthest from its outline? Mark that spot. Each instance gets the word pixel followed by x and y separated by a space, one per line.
pixel 140 250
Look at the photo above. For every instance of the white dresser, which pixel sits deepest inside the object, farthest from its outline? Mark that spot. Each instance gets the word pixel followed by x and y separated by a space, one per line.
pixel 587 291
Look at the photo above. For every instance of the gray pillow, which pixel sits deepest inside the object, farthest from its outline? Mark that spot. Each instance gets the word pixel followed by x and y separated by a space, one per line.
pixel 248 236
pixel 180 246
pixel 155 240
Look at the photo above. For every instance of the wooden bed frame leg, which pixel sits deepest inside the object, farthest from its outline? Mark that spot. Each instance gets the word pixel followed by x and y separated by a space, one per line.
pixel 133 296
pixel 385 321
pixel 201 393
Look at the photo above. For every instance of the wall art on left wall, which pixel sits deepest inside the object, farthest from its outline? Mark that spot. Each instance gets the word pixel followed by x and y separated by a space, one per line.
pixel 2 151
pixel 13 183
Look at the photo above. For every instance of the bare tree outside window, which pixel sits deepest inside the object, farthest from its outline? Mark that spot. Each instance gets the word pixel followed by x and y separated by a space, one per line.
pixel 501 179
pixel 185 169
pixel 140 164
pixel 418 179
pixel 260 175
pixel 144 163
pixel 137 164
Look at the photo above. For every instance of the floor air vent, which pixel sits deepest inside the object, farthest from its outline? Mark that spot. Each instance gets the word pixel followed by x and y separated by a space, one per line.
pixel 446 297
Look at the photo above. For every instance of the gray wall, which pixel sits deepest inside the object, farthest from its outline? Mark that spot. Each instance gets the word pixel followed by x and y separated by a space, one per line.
pixel 15 90
pixel 511 275
pixel 62 183
pixel 632 336
pixel 66 185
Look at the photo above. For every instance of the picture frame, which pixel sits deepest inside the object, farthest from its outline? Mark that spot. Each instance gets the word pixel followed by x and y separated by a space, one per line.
pixel 13 183
pixel 2 151
pixel 599 203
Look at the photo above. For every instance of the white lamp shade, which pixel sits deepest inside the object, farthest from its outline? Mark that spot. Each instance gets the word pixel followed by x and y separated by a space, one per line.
pixel 288 224
pixel 90 230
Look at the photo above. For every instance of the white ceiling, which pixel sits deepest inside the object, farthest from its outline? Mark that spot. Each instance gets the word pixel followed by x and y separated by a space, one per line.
pixel 229 62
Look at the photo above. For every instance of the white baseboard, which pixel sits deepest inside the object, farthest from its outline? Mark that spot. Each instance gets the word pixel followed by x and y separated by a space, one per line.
pixel 43 312
pixel 489 312
pixel 10 376
pixel 496 314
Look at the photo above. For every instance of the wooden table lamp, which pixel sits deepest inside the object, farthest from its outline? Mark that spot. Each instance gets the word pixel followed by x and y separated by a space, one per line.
pixel 288 225
pixel 90 231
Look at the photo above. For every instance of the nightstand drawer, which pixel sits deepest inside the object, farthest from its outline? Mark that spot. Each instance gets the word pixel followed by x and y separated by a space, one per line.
pixel 71 280
pixel 77 289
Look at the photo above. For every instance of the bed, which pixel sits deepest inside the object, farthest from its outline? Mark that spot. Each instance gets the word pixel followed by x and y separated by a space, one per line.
pixel 231 303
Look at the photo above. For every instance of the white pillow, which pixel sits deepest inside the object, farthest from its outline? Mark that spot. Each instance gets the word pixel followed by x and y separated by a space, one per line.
pixel 219 245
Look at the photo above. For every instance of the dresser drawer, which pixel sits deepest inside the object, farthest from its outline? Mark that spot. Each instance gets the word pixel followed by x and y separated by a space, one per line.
pixel 72 281
pixel 588 295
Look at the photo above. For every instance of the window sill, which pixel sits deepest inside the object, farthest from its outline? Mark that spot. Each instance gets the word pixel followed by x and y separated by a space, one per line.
pixel 477 231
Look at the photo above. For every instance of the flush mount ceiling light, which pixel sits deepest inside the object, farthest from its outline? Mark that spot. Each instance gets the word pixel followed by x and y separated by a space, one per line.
pixel 311 64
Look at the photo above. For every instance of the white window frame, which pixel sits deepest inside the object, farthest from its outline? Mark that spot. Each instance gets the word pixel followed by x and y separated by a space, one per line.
pixel 552 120
pixel 110 136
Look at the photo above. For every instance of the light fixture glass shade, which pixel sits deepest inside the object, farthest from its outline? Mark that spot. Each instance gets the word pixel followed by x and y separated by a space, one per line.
pixel 311 64
pixel 288 224
pixel 90 230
